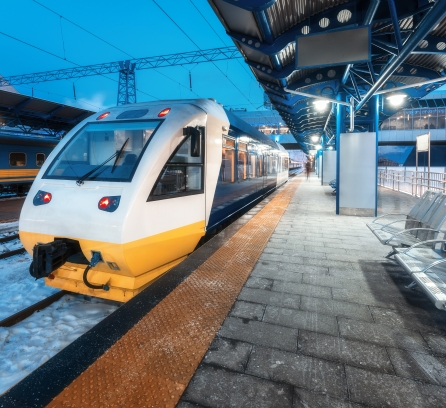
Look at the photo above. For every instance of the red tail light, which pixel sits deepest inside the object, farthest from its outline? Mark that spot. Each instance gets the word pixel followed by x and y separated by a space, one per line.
pixel 164 112
pixel 42 197
pixel 102 116
pixel 109 204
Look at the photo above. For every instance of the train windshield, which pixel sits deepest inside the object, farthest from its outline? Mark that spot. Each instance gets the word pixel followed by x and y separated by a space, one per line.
pixel 95 144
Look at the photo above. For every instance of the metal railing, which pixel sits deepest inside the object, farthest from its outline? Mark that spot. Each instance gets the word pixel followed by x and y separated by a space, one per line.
pixel 411 182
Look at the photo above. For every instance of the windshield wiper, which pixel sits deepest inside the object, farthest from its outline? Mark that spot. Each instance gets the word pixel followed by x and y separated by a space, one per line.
pixel 116 154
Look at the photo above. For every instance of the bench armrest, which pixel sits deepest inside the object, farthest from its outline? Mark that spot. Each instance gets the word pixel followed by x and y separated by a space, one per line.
pixel 388 215
pixel 429 241
pixel 411 229
pixel 437 262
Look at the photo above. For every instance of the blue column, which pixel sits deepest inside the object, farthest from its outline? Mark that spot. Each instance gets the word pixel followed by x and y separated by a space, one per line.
pixel 340 128
pixel 374 127
pixel 322 160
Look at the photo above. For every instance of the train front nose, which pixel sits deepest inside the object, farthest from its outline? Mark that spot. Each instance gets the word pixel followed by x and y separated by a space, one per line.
pixel 89 216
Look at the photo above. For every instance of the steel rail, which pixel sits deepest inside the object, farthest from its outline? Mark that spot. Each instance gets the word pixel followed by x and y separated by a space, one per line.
pixel 23 314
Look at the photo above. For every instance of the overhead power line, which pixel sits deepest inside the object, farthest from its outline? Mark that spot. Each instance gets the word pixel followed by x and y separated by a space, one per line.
pixel 5 82
pixel 196 45
pixel 106 42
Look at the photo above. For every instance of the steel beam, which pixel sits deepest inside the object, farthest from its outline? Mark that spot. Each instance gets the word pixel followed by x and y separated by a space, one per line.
pixel 367 20
pixel 434 16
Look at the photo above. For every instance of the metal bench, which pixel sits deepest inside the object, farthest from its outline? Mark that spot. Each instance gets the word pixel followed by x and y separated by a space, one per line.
pixel 427 267
pixel 422 225
pixel 418 211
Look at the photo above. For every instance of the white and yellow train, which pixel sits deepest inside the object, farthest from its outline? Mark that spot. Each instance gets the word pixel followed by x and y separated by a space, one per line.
pixel 129 193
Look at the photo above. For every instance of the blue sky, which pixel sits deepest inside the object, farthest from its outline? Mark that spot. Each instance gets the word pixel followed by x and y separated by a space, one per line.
pixel 139 28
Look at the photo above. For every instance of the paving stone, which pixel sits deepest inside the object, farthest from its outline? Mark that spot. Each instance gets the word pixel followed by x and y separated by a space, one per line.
pixel 273 251
pixel 280 258
pixel 327 262
pixel 323 249
pixel 382 335
pixel 436 343
pixel 336 308
pixel 419 366
pixel 263 334
pixel 248 310
pixel 306 399
pixel 228 353
pixel 302 289
pixel 354 353
pixel 267 297
pixel 412 321
pixel 363 297
pixel 334 281
pixel 259 283
pixel 384 390
pixel 301 319
pixel 281 274
pixel 298 370
pixel 354 274
pixel 213 387
pixel 183 404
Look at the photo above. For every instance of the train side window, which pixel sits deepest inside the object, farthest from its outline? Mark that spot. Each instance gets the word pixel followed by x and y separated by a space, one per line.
pixel 227 173
pixel 17 159
pixel 285 164
pixel 182 174
pixel 242 166
pixel 40 159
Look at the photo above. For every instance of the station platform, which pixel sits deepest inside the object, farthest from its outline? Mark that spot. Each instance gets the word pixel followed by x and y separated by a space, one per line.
pixel 290 306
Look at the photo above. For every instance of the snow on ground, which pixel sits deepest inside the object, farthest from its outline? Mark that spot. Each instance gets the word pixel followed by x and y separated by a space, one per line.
pixel 30 343
pixel 18 289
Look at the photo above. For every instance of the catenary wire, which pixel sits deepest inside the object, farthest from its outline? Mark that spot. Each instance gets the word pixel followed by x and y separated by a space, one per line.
pixel 196 45
pixel 110 44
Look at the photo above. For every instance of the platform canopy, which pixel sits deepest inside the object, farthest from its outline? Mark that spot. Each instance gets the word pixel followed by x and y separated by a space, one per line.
pixel 33 115
pixel 407 48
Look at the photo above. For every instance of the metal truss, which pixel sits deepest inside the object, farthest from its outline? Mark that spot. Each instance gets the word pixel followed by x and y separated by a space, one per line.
pixel 405 52
pixel 170 60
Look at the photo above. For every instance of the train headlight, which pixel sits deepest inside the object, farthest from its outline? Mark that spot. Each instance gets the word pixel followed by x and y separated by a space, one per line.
pixel 42 197
pixel 109 204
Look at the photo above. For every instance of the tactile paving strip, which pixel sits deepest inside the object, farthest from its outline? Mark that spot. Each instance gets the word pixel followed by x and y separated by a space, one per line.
pixel 153 363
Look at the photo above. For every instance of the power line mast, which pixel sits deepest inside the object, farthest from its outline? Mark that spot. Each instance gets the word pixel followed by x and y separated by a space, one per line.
pixel 126 69
pixel 127 83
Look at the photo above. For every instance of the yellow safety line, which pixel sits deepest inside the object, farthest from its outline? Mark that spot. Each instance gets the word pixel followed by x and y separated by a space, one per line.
pixel 153 363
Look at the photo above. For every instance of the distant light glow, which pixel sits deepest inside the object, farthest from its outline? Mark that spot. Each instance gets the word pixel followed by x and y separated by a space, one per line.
pixel 315 138
pixel 318 147
pixel 320 104
pixel 396 99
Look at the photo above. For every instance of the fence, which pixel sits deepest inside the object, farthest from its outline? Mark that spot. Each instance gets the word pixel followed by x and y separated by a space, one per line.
pixel 411 182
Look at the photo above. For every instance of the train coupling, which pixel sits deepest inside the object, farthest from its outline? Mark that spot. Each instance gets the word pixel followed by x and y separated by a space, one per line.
pixel 51 256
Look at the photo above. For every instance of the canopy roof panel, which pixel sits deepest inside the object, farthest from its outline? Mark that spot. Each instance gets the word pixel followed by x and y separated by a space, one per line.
pixel 31 114
pixel 408 46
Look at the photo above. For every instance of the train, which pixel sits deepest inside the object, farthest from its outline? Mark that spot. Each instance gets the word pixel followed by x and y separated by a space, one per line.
pixel 131 191
pixel 21 158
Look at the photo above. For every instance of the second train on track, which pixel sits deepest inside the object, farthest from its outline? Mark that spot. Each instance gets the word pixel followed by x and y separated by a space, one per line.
pixel 129 193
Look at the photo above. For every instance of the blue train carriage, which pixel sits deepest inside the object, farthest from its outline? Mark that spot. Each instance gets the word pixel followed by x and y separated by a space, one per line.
pixel 21 158
pixel 129 193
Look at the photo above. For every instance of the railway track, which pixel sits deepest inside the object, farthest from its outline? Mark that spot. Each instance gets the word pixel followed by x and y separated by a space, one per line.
pixel 8 253
pixel 23 314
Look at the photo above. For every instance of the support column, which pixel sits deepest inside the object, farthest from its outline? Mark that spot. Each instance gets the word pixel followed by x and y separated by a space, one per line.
pixel 374 127
pixel 340 128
